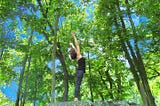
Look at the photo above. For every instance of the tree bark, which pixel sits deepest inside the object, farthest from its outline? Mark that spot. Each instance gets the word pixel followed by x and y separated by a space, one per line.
pixel 26 83
pixel 21 80
pixel 101 95
pixel 54 49
pixel 90 81
pixel 108 78
pixel 1 54
pixel 35 92
pixel 140 64
pixel 136 64
pixel 119 85
pixel 124 47
pixel 2 47
pixel 54 45
pixel 22 72
pixel 62 60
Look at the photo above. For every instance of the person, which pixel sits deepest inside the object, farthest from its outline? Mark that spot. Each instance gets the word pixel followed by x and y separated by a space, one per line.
pixel 76 55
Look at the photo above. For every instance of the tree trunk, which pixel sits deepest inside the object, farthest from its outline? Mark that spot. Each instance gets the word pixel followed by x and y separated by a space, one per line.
pixel 53 72
pixel 140 64
pixel 101 95
pixel 21 80
pixel 127 55
pixel 26 82
pixel 1 54
pixel 143 75
pixel 108 78
pixel 62 60
pixel 90 81
pixel 143 95
pixel 136 65
pixel 54 45
pixel 119 84
pixel 22 72
pixel 2 47
pixel 54 49
pixel 35 92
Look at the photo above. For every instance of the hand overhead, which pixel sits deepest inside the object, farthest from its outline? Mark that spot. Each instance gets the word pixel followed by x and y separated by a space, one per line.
pixel 72 34
pixel 70 44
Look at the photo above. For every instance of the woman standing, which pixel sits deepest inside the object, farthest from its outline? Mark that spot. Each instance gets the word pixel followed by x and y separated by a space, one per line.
pixel 76 55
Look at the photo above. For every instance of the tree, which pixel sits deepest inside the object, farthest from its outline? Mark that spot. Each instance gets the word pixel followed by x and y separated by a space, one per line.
pixel 133 54
pixel 122 56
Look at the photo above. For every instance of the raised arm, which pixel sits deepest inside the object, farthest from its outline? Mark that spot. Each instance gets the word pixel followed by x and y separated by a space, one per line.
pixel 76 42
pixel 71 45
pixel 77 46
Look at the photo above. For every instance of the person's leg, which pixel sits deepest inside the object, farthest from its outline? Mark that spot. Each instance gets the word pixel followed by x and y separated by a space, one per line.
pixel 79 76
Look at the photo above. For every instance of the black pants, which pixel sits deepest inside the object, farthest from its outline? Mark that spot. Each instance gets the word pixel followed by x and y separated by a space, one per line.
pixel 79 77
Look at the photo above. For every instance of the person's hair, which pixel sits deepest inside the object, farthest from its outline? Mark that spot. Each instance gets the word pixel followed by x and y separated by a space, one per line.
pixel 73 53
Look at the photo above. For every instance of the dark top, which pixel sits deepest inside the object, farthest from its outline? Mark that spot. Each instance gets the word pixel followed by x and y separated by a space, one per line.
pixel 81 64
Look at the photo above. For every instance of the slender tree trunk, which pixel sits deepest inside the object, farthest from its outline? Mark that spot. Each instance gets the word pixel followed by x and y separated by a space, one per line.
pixel 65 94
pixel 108 78
pixel 1 54
pixel 136 65
pixel 62 60
pixel 54 49
pixel 140 64
pixel 2 47
pixel 134 71
pixel 119 84
pixel 21 80
pixel 143 75
pixel 22 73
pixel 53 73
pixel 127 55
pixel 90 81
pixel 144 98
pixel 101 95
pixel 105 83
pixel 35 92
pixel 26 83
pixel 54 44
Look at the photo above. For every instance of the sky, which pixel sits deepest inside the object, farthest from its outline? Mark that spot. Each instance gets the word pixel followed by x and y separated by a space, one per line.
pixel 11 89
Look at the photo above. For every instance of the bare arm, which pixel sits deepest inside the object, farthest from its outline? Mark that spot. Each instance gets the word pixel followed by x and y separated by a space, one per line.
pixel 76 42
pixel 71 45
pixel 77 46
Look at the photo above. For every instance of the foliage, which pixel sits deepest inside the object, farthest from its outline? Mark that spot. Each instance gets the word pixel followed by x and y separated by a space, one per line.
pixel 107 69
